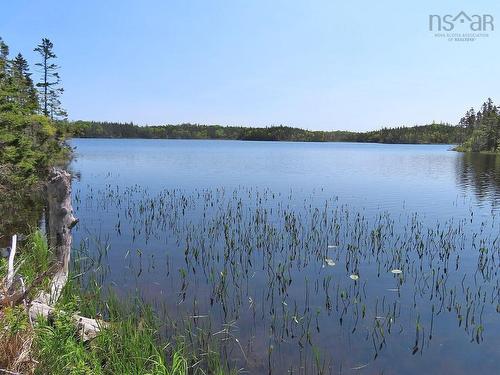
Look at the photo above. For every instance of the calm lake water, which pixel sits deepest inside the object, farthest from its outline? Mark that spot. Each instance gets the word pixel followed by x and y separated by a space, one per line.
pixel 303 257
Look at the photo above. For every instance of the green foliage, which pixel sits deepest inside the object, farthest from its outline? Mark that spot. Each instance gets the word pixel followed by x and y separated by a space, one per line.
pixel 425 134
pixel 35 257
pixel 25 93
pixel 3 266
pixel 21 211
pixel 434 133
pixel 49 85
pixel 17 92
pixel 130 344
pixel 483 129
pixel 475 132
pixel 29 143
pixel 56 344
pixel 15 320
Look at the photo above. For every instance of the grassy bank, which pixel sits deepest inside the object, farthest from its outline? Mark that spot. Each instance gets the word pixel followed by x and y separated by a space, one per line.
pixel 132 343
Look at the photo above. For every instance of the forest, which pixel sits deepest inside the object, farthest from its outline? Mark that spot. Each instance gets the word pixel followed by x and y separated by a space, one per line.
pixel 30 138
pixel 426 134
pixel 476 132
pixel 482 129
pixel 34 124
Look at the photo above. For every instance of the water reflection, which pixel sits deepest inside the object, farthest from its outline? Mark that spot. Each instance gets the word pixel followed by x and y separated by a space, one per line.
pixel 284 252
pixel 480 174
pixel 18 214
pixel 279 275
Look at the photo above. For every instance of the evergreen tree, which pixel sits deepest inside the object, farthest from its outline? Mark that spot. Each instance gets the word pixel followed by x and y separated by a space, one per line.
pixel 50 91
pixel 55 108
pixel 469 120
pixel 485 135
pixel 4 54
pixel 29 142
pixel 26 92
pixel 5 80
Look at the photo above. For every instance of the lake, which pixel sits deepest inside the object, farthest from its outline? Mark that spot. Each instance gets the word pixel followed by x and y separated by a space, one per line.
pixel 302 257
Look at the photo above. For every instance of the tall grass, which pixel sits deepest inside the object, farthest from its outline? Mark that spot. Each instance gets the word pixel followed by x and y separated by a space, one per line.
pixel 132 343
pixel 275 275
pixel 36 257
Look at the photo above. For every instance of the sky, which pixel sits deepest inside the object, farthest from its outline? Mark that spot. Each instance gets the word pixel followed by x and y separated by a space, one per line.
pixel 322 65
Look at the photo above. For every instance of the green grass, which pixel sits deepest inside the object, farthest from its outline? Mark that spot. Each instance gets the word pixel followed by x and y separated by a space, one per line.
pixel 126 347
pixel 35 257
pixel 132 343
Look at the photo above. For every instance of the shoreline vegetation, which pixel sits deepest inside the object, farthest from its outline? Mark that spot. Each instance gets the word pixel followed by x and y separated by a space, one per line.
pixel 476 132
pixel 425 134
pixel 31 141
pixel 33 130
pixel 47 341
pixel 131 342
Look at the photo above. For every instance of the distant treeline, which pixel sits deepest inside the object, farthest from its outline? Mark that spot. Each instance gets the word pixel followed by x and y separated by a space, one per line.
pixel 433 133
pixel 477 131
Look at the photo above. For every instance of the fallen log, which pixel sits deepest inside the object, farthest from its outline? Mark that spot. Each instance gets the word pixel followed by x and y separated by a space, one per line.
pixel 87 328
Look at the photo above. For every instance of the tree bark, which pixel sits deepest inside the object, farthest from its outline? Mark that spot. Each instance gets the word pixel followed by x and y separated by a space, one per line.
pixel 60 221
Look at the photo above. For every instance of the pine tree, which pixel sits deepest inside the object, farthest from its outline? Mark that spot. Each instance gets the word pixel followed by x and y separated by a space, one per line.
pixel 4 55
pixel 29 143
pixel 5 81
pixel 56 111
pixel 469 120
pixel 485 135
pixel 49 89
pixel 25 90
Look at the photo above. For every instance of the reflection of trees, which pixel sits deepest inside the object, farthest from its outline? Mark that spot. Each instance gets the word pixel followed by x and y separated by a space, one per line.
pixel 481 174
pixel 18 215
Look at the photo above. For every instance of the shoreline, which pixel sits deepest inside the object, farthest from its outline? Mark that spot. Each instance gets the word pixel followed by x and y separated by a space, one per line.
pixel 263 141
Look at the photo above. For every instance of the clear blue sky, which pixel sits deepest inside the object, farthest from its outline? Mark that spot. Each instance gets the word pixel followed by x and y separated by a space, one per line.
pixel 326 64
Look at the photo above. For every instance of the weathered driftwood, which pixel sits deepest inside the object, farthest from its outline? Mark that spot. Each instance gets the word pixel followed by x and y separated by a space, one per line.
pixel 87 328
pixel 10 271
pixel 12 287
pixel 18 292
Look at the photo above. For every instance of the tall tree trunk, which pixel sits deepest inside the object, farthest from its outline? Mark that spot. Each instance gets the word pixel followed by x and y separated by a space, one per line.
pixel 45 87
pixel 60 221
